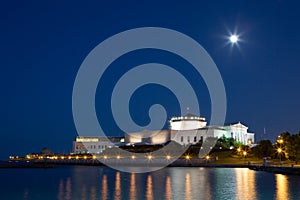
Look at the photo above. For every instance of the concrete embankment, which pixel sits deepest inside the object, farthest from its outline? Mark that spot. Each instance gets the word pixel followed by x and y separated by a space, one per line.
pixel 277 169
pixel 24 164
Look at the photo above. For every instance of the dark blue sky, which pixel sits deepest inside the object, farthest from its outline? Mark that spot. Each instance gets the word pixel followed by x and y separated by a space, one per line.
pixel 44 44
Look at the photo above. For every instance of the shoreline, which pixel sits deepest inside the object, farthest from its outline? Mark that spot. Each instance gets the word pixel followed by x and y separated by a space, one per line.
pixel 287 170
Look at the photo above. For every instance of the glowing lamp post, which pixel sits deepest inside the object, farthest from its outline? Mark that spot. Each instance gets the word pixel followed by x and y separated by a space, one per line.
pixel 207 158
pixel 244 154
pixel 279 150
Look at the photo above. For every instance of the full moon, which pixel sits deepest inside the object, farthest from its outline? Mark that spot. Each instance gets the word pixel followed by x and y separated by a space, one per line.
pixel 233 38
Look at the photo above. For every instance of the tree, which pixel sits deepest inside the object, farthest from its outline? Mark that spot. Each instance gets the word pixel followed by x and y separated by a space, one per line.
pixel 263 149
pixel 226 143
pixel 291 146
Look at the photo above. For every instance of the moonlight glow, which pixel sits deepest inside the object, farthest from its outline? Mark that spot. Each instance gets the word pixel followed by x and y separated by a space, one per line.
pixel 233 38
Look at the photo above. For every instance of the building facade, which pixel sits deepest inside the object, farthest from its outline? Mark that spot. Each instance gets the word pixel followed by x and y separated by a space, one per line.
pixel 185 130
pixel 187 122
pixel 95 145
pixel 148 137
pixel 193 134
pixel 191 129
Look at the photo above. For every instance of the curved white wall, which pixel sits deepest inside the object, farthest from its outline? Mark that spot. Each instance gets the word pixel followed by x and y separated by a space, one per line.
pixel 187 125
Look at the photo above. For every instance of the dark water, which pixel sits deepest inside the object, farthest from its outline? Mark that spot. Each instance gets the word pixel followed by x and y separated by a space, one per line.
pixel 81 182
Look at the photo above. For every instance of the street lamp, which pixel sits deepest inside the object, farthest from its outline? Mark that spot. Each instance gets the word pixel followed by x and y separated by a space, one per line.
pixel 244 154
pixel 207 158
pixel 279 150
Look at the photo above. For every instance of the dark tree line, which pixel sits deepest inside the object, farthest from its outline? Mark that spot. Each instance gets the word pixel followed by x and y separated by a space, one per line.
pixel 264 148
pixel 287 146
pixel 226 143
pixel 290 145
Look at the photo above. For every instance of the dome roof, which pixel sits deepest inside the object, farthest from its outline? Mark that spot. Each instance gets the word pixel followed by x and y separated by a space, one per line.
pixel 46 151
pixel 189 115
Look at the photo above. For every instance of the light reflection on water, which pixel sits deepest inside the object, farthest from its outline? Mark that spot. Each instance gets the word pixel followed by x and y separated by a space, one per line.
pixel 176 183
pixel 132 190
pixel 118 186
pixel 245 184
pixel 104 191
pixel 93 183
pixel 282 186
pixel 188 193
pixel 168 195
pixel 149 192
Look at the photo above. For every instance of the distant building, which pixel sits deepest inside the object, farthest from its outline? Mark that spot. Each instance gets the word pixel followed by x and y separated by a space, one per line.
pixel 190 129
pixel 148 137
pixel 184 129
pixel 237 131
pixel 94 145
pixel 187 122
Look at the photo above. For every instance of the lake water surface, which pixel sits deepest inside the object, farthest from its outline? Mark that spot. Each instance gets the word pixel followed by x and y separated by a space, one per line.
pixel 91 182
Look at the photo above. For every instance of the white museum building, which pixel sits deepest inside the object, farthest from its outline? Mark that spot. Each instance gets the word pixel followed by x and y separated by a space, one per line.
pixel 94 145
pixel 190 129
pixel 185 130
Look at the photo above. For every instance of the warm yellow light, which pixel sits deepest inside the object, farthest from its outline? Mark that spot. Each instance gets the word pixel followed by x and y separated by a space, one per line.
pixel 84 157
pixel 62 157
pixel 87 139
pixel 77 157
pixel 133 157
pixel 279 150
pixel 187 157
pixel 118 157
pixel 239 149
pixel 168 157
pixel 94 157
pixel 105 157
pixel 280 141
pixel 207 157
pixel 149 157
pixel 244 153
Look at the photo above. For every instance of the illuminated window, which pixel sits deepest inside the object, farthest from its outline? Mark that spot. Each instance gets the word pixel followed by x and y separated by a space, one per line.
pixel 87 139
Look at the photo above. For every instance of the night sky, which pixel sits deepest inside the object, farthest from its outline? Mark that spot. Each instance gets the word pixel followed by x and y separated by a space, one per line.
pixel 44 43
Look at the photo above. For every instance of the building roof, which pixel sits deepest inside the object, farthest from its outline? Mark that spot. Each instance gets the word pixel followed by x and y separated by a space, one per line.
pixel 238 124
pixel 212 127
pixel 189 117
